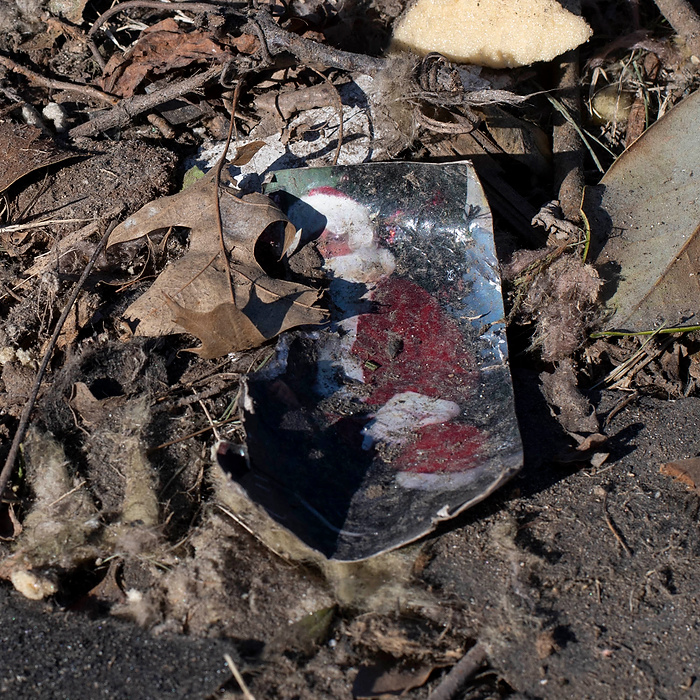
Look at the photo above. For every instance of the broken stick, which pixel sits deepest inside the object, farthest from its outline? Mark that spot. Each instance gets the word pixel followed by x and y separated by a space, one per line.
pixel 462 672
pixel 123 112
pixel 89 92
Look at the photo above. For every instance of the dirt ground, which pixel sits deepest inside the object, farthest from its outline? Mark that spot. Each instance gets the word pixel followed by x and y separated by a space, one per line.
pixel 536 570
pixel 129 564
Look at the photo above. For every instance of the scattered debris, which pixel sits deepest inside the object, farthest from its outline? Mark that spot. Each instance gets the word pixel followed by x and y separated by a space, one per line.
pixel 351 390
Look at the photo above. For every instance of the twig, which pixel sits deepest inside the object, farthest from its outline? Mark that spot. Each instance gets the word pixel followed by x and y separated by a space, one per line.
pixel 633 364
pixel 68 493
pixel 684 20
pixel 612 527
pixel 217 180
pixel 16 228
pixel 239 678
pixel 311 53
pixel 29 406
pixel 213 426
pixel 567 145
pixel 339 109
pixel 619 407
pixel 151 4
pixel 39 79
pixel 123 112
pixel 465 668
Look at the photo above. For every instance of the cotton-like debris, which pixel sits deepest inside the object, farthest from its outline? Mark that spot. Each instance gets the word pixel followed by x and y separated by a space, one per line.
pixel 559 296
pixel 494 33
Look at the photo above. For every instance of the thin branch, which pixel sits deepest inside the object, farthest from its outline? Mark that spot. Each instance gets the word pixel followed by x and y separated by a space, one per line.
pixel 6 472
pixel 239 678
pixel 339 109
pixel 201 431
pixel 217 180
pixel 17 228
pixel 457 678
pixel 91 92
pixel 123 112
pixel 311 53
pixel 620 539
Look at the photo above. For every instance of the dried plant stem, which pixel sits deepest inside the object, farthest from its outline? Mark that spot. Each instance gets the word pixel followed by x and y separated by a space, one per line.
pixel 239 678
pixel 566 142
pixel 213 426
pixel 86 90
pixel 338 108
pixel 29 406
pixel 608 520
pixel 18 228
pixel 217 180
pixel 684 20
pixel 465 669
pixel 123 112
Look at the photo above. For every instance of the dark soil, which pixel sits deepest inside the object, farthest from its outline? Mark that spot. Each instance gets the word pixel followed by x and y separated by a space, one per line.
pixel 537 572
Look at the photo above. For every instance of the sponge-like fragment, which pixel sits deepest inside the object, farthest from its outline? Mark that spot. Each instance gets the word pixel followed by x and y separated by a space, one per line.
pixel 493 33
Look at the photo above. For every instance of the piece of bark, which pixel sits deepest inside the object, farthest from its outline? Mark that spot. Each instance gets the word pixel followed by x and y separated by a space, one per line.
pixel 684 20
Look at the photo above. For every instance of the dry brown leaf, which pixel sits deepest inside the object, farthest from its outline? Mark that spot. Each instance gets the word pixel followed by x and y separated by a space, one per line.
pixel 687 471
pixel 246 153
pixel 160 49
pixel 230 305
pixel 644 217
pixel 24 149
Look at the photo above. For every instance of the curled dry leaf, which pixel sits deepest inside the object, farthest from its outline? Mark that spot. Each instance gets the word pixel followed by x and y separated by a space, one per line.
pixel 160 49
pixel 231 304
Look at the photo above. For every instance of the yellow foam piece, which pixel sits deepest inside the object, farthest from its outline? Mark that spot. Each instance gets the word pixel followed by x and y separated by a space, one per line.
pixel 493 33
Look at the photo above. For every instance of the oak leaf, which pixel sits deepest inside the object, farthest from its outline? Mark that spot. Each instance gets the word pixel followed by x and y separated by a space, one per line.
pixel 228 301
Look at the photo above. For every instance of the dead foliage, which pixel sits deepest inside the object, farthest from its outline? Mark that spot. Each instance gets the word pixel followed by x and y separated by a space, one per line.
pixel 218 290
